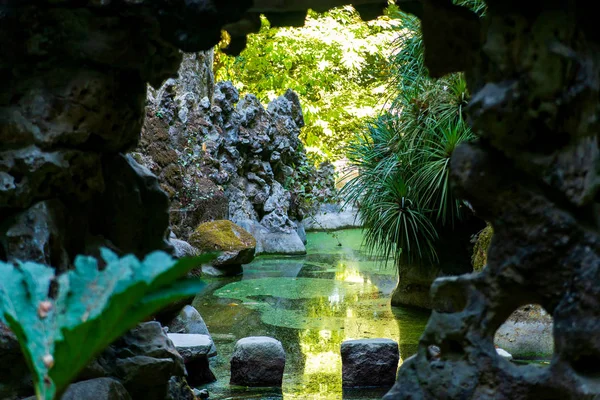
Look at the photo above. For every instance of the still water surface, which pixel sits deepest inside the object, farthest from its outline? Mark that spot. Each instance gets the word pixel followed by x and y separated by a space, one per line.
pixel 311 304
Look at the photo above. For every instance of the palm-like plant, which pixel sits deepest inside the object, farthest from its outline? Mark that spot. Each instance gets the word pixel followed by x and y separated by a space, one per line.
pixel 403 156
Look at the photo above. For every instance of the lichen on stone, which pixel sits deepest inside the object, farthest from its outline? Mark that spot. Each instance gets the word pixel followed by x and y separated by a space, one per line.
pixel 221 235
pixel 482 242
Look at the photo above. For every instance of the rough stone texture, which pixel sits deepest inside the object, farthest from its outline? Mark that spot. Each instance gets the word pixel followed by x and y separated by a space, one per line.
pixel 189 320
pixel 143 360
pixel 257 361
pixel 369 362
pixel 235 244
pixel 179 389
pixel 533 72
pixel 223 157
pixel 195 350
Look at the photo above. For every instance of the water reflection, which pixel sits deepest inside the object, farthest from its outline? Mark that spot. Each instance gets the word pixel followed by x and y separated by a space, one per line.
pixel 312 304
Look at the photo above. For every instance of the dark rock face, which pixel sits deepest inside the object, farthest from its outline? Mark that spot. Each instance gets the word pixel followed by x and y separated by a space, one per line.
pixel 533 175
pixel 369 362
pixel 143 360
pixel 95 389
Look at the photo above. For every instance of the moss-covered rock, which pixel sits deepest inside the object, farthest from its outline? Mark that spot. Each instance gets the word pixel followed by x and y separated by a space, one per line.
pixel 482 243
pixel 234 242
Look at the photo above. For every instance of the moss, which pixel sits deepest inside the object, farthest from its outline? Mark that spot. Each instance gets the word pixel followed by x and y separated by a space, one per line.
pixel 221 235
pixel 480 249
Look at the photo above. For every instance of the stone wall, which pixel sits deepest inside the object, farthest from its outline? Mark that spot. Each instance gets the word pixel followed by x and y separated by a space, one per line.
pixel 221 157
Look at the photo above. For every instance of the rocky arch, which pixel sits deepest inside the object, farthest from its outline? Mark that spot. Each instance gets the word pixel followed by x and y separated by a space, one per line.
pixel 533 72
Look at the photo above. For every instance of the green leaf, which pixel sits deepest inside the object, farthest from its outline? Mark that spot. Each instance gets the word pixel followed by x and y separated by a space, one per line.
pixel 92 307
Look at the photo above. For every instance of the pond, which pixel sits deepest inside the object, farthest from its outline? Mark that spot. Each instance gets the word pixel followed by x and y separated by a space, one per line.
pixel 311 304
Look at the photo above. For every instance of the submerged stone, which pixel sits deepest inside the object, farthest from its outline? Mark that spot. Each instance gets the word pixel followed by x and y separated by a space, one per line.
pixel 369 362
pixel 257 361
pixel 195 350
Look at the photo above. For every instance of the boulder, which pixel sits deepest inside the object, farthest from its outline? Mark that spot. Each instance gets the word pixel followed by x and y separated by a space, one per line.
pixel 235 244
pixel 257 361
pixel 332 217
pixel 369 362
pixel 179 389
pixel 189 320
pixel 269 242
pixel 143 360
pixel 95 389
pixel 181 248
pixel 195 350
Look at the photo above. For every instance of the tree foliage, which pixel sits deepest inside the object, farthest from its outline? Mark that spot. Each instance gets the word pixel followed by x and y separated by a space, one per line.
pixel 62 322
pixel 403 156
pixel 337 64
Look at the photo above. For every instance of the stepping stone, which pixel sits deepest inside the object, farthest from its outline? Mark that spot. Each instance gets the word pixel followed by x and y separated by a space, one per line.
pixel 189 320
pixel 257 361
pixel 369 362
pixel 195 350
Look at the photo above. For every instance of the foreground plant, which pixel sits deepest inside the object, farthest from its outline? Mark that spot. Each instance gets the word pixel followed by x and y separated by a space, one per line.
pixel 62 322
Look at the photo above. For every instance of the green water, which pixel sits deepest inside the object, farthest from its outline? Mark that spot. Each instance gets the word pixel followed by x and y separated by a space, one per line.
pixel 311 304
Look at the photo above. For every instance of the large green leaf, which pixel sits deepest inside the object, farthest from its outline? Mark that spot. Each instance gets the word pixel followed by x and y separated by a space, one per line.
pixel 63 322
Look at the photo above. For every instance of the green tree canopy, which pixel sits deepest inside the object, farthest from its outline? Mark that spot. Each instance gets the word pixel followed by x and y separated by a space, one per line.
pixel 337 63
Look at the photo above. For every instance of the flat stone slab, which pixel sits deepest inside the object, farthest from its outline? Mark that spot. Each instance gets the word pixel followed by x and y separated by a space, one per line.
pixel 191 345
pixel 257 361
pixel 189 320
pixel 369 362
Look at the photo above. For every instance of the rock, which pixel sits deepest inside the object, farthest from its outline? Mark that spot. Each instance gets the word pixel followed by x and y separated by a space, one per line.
pixel 97 389
pixel 191 345
pixel 268 242
pixel 504 354
pixel 189 320
pixel 128 199
pixel 257 361
pixel 94 389
pixel 195 350
pixel 181 248
pixel 179 389
pixel 203 394
pixel 235 244
pixel 331 217
pixel 301 231
pixel 144 360
pixel 38 234
pixel 369 362
pixel 244 151
pixel 527 334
